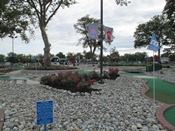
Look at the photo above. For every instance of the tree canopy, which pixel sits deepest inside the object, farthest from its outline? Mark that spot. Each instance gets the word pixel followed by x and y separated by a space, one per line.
pixel 15 18
pixel 159 27
pixel 81 27
pixel 169 17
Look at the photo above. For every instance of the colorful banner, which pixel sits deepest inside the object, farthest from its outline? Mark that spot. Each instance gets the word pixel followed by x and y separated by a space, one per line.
pixel 93 31
pixel 108 34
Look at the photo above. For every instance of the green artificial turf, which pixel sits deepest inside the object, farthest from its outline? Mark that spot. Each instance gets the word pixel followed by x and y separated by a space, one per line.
pixel 164 91
pixel 4 77
pixel 170 115
pixel 131 73
pixel 81 72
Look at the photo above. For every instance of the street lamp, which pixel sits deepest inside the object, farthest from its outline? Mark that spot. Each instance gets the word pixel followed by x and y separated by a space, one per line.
pixel 118 2
pixel 13 37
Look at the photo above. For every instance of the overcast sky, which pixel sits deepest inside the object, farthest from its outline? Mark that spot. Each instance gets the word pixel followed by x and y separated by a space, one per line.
pixel 63 36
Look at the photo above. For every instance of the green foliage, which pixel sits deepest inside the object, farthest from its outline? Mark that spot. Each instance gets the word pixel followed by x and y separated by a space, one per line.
pixel 81 27
pixel 169 17
pixel 113 73
pixel 44 12
pixel 159 26
pixel 16 19
pixel 75 81
pixel 69 81
pixel 2 58
pixel 94 75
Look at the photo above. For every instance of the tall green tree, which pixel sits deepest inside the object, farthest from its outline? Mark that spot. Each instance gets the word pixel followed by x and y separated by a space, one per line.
pixel 156 25
pixel 15 18
pixel 45 10
pixel 81 27
pixel 169 17
pixel 60 55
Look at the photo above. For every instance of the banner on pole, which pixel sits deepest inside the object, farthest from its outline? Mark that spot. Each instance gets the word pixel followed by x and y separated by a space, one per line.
pixel 93 31
pixel 108 34
pixel 154 45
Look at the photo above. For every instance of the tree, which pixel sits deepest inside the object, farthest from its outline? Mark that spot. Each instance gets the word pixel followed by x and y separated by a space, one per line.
pixel 61 55
pixel 81 27
pixel 15 18
pixel 169 17
pixel 45 10
pixel 157 26
pixel 2 58
pixel 114 55
pixel 169 11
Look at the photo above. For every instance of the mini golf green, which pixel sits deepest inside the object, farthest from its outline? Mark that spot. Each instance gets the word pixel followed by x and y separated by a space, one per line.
pixel 132 73
pixel 5 77
pixel 164 92
pixel 169 115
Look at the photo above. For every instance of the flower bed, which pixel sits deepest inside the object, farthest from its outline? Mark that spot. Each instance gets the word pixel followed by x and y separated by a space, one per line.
pixel 76 81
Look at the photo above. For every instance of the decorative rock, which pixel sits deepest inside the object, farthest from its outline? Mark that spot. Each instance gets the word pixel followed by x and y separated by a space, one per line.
pixel 139 126
pixel 134 128
pixel 155 127
pixel 145 128
pixel 118 106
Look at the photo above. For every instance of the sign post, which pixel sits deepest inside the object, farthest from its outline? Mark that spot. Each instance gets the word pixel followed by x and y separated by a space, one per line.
pixel 44 113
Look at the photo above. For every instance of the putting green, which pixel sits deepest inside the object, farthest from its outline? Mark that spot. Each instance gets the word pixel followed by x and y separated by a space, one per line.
pixel 131 74
pixel 4 77
pixel 170 115
pixel 164 91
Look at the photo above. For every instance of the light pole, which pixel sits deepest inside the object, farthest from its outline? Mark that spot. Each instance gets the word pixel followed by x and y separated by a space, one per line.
pixel 13 37
pixel 101 44
pixel 118 2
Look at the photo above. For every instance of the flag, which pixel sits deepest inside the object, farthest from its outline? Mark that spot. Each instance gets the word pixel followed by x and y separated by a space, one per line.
pixel 154 45
pixel 93 31
pixel 108 34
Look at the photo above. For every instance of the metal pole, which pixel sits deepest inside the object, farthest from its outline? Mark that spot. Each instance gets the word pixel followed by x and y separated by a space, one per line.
pixel 101 43
pixel 12 44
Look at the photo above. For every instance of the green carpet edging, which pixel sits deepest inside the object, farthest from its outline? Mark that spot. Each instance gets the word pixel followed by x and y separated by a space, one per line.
pixel 169 115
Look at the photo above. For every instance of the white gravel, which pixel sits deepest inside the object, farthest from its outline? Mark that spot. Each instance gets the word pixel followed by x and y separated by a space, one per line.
pixel 119 106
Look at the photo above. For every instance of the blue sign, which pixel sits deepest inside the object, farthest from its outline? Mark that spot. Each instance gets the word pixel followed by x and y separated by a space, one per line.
pixel 44 112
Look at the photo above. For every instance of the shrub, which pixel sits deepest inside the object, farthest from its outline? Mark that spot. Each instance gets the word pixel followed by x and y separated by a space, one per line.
pixel 94 75
pixel 69 81
pixel 75 81
pixel 106 75
pixel 113 73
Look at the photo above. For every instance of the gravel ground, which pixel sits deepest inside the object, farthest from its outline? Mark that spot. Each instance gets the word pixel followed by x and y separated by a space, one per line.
pixel 119 106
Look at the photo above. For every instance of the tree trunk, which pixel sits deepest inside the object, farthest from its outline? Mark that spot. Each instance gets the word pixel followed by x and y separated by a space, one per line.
pixel 47 46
